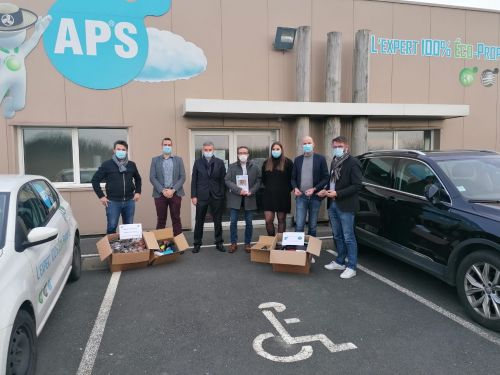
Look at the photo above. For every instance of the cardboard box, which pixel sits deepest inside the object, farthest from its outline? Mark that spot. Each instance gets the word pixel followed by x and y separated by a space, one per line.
pixel 124 261
pixel 166 234
pixel 260 251
pixel 294 261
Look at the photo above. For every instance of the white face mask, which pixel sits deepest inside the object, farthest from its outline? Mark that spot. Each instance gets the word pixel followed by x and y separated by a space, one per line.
pixel 208 154
pixel 243 158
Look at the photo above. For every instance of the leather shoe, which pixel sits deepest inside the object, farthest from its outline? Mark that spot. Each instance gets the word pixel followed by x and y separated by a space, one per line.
pixel 220 247
pixel 248 247
pixel 196 249
pixel 233 247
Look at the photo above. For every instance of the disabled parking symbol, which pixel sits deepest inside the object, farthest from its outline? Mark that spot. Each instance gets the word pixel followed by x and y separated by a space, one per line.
pixel 306 351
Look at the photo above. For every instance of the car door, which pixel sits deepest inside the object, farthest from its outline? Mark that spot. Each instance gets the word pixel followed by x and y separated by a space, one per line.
pixel 372 217
pixel 417 223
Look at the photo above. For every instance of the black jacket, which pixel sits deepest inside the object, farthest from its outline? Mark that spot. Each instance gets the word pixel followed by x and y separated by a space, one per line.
pixel 320 173
pixel 348 185
pixel 205 185
pixel 119 186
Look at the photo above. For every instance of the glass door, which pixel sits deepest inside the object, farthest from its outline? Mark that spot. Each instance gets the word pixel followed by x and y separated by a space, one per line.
pixel 226 144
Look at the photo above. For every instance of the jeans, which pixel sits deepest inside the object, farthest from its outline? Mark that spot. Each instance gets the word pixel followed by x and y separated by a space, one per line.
pixel 303 206
pixel 248 225
pixel 162 205
pixel 116 208
pixel 216 206
pixel 343 234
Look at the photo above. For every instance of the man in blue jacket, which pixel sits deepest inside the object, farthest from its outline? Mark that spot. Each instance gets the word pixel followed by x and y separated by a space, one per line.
pixel 309 176
pixel 123 186
pixel 207 191
pixel 167 175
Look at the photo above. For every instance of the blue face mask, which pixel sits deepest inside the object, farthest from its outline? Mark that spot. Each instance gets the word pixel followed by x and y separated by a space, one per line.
pixel 208 154
pixel 307 147
pixel 121 154
pixel 338 152
pixel 276 153
pixel 167 149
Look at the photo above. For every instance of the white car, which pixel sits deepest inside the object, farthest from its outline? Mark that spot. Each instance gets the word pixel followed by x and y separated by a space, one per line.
pixel 39 251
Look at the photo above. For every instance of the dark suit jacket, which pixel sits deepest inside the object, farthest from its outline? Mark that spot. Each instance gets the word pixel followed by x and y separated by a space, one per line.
pixel 320 172
pixel 204 185
pixel 348 185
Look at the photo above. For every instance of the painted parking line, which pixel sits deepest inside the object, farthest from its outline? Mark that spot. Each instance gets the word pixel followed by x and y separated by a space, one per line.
pixel 90 353
pixel 448 314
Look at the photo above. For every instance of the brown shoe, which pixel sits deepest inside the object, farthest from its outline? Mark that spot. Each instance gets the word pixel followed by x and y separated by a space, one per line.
pixel 233 247
pixel 248 247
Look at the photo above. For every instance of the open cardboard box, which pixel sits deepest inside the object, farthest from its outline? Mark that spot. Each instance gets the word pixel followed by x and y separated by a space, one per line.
pixel 166 234
pixel 124 261
pixel 294 261
pixel 261 250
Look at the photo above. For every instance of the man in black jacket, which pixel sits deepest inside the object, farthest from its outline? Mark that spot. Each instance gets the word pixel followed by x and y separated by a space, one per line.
pixel 343 202
pixel 207 190
pixel 123 187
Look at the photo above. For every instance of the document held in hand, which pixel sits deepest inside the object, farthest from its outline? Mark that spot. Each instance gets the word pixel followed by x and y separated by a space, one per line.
pixel 242 182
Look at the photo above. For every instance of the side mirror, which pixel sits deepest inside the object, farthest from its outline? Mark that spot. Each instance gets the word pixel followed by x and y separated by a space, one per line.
pixel 431 192
pixel 40 235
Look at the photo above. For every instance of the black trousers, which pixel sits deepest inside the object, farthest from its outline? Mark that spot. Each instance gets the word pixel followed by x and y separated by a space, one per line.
pixel 216 206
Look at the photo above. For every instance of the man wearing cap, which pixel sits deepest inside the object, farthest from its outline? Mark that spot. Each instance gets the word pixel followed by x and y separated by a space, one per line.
pixel 13 50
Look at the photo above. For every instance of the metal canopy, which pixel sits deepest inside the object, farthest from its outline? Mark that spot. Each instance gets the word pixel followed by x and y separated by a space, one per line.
pixel 275 109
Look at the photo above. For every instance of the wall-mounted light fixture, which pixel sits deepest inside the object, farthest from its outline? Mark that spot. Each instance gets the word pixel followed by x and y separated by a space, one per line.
pixel 285 38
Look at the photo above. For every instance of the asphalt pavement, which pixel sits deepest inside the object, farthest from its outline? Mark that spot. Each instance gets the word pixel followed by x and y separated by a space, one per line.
pixel 200 315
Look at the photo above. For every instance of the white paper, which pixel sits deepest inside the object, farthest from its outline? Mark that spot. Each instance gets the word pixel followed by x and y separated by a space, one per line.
pixel 128 231
pixel 293 238
pixel 242 182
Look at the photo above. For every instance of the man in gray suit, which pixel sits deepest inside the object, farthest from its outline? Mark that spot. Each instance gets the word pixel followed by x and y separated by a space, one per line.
pixel 167 175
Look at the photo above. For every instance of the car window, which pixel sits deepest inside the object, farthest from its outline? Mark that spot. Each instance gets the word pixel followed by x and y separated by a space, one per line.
pixel 474 177
pixel 4 207
pixel 378 171
pixel 31 213
pixel 413 176
pixel 48 196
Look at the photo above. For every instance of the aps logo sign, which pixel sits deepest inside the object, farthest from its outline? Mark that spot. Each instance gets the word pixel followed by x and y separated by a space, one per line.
pixel 100 44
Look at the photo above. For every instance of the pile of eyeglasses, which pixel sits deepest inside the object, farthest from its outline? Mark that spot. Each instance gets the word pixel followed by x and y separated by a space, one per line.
pixel 128 246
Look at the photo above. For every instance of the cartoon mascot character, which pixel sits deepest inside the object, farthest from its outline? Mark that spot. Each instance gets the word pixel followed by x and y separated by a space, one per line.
pixel 13 50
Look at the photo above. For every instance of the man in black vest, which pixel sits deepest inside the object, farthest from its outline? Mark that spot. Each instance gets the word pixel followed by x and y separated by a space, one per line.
pixel 207 190
pixel 343 202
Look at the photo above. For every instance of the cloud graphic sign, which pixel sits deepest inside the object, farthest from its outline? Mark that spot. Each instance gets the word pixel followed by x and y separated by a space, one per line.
pixel 171 57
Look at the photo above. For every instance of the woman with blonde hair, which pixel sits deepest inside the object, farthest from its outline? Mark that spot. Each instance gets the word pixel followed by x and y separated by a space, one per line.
pixel 276 178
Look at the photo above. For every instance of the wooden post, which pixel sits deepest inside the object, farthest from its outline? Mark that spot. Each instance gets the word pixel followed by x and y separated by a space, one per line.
pixel 303 78
pixel 359 143
pixel 333 84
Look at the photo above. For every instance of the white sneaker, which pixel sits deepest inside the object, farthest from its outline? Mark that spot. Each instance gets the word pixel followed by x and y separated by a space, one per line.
pixel 348 273
pixel 334 266
pixel 313 260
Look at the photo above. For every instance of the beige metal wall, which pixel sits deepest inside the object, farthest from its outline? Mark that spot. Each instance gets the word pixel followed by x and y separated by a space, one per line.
pixel 237 36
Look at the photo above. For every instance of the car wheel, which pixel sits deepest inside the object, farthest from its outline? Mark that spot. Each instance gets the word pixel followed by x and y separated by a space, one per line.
pixel 21 357
pixel 478 286
pixel 76 263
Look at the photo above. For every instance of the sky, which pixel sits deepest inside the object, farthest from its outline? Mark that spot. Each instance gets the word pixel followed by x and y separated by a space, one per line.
pixel 480 4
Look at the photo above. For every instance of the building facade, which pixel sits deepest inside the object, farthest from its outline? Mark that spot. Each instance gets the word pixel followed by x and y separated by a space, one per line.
pixel 419 54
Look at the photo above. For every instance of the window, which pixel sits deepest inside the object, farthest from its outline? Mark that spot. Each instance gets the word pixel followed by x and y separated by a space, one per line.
pixel 49 197
pixel 413 176
pixel 403 139
pixel 56 153
pixel 4 207
pixel 378 171
pixel 31 213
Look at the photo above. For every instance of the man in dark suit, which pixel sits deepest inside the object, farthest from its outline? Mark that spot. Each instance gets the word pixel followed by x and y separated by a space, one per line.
pixel 309 175
pixel 207 190
pixel 343 202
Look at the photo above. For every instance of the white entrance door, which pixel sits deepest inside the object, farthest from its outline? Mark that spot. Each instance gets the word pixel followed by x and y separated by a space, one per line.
pixel 226 143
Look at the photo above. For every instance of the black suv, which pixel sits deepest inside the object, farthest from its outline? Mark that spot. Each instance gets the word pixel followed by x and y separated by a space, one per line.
pixel 439 211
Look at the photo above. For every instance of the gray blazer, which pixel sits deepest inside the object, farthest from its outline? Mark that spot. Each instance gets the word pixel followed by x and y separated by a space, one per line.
pixel 157 179
pixel 233 193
